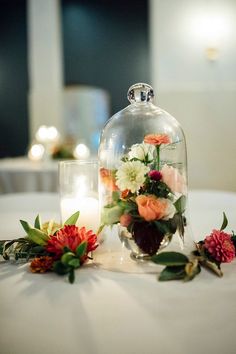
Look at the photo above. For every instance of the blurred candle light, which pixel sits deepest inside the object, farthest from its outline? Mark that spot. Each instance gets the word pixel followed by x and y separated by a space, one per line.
pixel 36 152
pixel 81 151
pixel 47 134
pixel 89 211
pixel 78 182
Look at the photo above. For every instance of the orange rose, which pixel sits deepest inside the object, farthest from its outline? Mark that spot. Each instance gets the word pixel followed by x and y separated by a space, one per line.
pixel 151 208
pixel 157 139
pixel 108 179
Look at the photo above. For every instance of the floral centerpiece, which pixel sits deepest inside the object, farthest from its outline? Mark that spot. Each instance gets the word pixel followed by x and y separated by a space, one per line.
pixel 52 247
pixel 148 198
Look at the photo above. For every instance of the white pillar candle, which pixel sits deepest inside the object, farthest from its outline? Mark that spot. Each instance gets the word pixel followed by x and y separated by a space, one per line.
pixel 89 211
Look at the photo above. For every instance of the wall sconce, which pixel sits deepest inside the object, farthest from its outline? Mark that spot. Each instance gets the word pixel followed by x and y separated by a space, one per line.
pixel 211 31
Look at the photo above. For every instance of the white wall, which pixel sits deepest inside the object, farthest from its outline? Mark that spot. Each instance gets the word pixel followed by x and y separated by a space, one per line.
pixel 200 93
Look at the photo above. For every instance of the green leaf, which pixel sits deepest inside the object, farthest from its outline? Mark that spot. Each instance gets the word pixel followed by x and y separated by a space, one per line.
pixel 163 226
pixel 37 249
pixel 115 196
pixel 60 268
pixel 25 226
pixel 81 249
pixel 67 257
pixel 224 223
pixel 37 223
pixel 37 236
pixel 170 259
pixel 212 266
pixel 192 270
pixel 172 273
pixel 75 263
pixel 111 215
pixel 50 227
pixel 71 276
pixel 180 204
pixel 72 219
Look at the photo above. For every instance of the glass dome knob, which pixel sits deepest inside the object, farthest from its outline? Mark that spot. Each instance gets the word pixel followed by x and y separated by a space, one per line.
pixel 140 93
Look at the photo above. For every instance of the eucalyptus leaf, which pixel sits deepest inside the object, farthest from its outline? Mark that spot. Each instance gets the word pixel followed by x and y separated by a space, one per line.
pixel 170 259
pixel 81 249
pixel 72 219
pixel 224 223
pixel 172 273
pixel 37 222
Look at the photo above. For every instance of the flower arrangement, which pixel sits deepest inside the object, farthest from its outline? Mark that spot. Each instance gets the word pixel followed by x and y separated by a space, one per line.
pixel 64 248
pixel 218 247
pixel 148 198
pixel 52 247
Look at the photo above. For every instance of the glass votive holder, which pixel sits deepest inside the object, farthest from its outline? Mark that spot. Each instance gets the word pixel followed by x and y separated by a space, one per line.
pixel 78 185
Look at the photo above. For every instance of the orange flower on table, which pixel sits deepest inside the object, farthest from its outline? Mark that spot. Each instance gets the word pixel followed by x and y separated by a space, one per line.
pixel 157 139
pixel 108 179
pixel 41 264
pixel 71 236
pixel 152 208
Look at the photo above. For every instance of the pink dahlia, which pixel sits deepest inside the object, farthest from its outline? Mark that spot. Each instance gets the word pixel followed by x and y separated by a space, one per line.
pixel 71 236
pixel 220 246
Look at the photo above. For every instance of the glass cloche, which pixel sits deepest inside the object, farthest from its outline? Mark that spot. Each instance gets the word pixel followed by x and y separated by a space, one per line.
pixel 143 185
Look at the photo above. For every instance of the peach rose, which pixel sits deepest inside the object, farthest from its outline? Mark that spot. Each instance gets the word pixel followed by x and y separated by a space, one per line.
pixel 174 180
pixel 152 208
pixel 157 139
pixel 108 179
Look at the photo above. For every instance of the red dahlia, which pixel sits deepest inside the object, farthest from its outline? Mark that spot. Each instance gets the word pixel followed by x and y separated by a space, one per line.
pixel 71 236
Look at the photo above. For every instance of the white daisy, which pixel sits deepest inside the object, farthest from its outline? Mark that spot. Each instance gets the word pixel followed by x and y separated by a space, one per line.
pixel 142 151
pixel 131 175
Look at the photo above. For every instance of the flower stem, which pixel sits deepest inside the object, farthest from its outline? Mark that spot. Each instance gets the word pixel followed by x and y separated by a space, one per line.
pixel 158 158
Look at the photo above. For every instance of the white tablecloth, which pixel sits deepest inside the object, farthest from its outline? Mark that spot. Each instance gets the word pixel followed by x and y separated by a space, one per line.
pixel 111 312
pixel 22 175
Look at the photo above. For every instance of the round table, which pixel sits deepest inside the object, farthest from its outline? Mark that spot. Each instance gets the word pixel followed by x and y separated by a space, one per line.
pixel 110 312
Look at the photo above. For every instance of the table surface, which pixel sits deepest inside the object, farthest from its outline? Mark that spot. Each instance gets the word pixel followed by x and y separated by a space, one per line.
pixel 110 312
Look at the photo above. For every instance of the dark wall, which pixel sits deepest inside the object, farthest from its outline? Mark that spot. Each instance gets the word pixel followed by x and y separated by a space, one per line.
pixel 106 45
pixel 13 78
